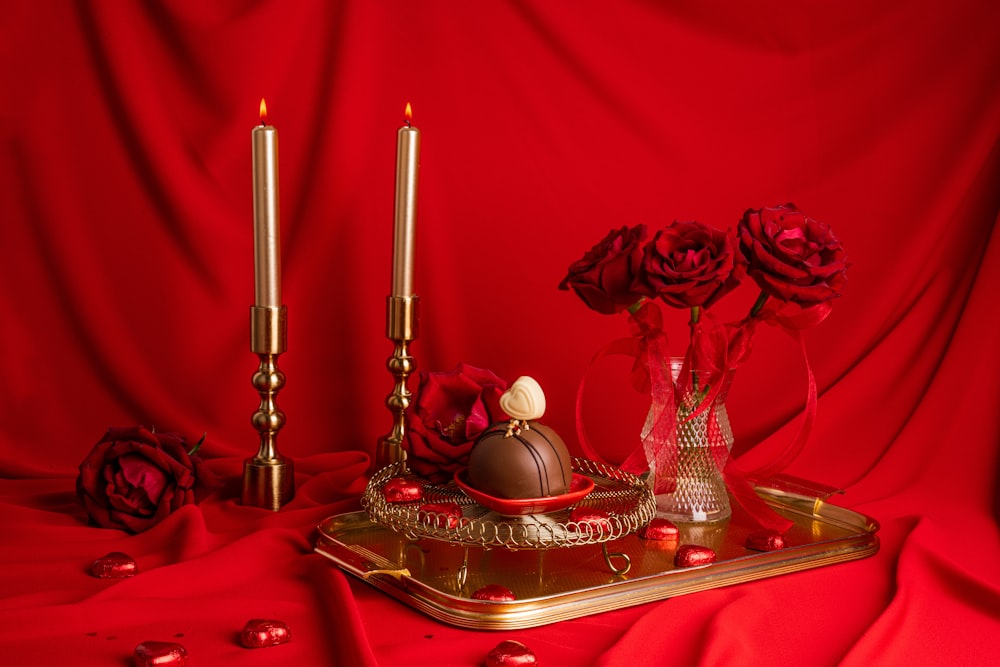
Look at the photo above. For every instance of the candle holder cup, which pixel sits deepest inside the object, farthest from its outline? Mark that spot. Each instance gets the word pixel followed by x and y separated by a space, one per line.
pixel 402 318
pixel 268 477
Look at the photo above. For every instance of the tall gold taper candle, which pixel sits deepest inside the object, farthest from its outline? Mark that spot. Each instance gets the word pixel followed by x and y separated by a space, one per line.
pixel 266 237
pixel 401 305
pixel 268 479
pixel 404 238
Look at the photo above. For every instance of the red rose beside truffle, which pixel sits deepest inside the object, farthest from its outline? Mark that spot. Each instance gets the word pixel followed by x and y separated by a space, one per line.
pixel 449 412
pixel 133 478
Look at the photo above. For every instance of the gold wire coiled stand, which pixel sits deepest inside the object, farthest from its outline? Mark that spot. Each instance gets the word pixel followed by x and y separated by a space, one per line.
pixel 627 500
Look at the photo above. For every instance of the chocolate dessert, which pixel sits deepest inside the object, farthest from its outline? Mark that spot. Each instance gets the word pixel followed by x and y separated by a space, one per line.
pixel 522 460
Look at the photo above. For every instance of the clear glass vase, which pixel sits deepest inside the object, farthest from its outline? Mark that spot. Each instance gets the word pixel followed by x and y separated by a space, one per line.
pixel 703 444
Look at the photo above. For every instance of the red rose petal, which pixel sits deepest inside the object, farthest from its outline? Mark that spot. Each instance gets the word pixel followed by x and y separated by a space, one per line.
pixel 263 632
pixel 115 565
pixel 603 278
pixel 510 653
pixel 449 514
pixel 402 490
pixel 765 540
pixel 590 520
pixel 132 478
pixel 693 555
pixel 159 654
pixel 659 529
pixel 449 411
pixel 494 593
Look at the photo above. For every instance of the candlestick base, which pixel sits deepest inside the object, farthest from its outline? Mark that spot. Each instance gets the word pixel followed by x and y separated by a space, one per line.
pixel 268 479
pixel 402 318
pixel 268 484
pixel 387 452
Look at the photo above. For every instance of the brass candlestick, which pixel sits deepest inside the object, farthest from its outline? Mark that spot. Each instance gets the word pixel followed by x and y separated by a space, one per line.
pixel 401 328
pixel 268 479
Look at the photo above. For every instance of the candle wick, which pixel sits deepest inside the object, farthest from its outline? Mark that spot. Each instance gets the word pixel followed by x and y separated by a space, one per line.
pixel 407 121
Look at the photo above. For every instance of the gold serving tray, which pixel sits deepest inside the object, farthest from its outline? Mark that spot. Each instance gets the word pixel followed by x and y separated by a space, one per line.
pixel 438 578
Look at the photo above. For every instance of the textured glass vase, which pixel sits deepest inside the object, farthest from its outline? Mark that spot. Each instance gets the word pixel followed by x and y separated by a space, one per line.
pixel 703 445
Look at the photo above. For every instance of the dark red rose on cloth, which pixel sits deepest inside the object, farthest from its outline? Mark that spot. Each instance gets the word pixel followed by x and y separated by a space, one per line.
pixel 449 412
pixel 133 478
pixel 604 276
pixel 792 256
pixel 689 264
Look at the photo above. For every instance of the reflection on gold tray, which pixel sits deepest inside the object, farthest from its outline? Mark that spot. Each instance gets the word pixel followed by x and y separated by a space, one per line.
pixel 438 578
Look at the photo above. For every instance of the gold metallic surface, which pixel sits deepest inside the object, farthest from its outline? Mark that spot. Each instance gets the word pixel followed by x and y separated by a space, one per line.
pixel 268 478
pixel 405 209
pixel 267 237
pixel 268 327
pixel 552 585
pixel 268 484
pixel 625 498
pixel 370 563
pixel 402 318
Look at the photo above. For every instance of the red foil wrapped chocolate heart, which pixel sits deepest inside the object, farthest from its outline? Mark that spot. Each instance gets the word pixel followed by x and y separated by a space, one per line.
pixel 693 555
pixel 659 529
pixel 590 520
pixel 510 653
pixel 159 654
pixel 442 515
pixel 264 632
pixel 402 490
pixel 494 593
pixel 765 540
pixel 115 565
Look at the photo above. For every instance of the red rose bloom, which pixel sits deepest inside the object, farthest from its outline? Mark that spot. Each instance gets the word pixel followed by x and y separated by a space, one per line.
pixel 449 412
pixel 132 478
pixel 688 264
pixel 791 256
pixel 603 277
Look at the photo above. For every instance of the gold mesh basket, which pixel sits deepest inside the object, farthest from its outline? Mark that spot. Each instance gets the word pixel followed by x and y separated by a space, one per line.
pixel 625 498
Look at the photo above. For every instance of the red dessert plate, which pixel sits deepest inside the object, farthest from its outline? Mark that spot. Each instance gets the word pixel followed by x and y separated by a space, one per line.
pixel 578 489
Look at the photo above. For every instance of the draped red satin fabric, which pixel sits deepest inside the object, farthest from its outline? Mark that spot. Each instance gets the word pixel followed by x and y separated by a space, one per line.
pixel 127 274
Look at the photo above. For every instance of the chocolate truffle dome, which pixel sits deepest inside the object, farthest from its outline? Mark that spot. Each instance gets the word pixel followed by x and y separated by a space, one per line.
pixel 530 461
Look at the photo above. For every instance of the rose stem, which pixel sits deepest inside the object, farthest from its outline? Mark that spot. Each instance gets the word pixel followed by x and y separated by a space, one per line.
pixel 695 316
pixel 761 300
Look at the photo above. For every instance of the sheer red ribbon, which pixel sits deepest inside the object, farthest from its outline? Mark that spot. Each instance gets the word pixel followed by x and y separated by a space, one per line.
pixel 710 349
pixel 650 373
pixel 792 319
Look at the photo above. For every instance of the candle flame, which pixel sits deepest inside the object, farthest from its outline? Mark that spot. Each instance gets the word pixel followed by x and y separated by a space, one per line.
pixel 263 112
pixel 408 113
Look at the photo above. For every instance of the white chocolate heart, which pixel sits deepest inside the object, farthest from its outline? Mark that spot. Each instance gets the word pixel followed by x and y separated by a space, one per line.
pixel 524 399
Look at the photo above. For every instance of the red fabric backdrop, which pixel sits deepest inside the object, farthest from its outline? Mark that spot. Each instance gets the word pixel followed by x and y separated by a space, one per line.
pixel 127 276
